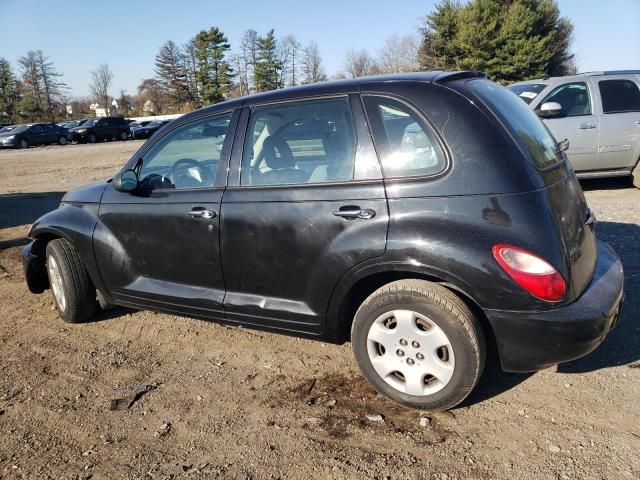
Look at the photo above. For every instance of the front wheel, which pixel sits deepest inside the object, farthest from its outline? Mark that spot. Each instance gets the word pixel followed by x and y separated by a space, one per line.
pixel 92 138
pixel 62 141
pixel 23 144
pixel 418 344
pixel 635 175
pixel 73 291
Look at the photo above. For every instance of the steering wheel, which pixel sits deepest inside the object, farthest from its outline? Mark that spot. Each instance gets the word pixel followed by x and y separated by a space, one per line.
pixel 182 164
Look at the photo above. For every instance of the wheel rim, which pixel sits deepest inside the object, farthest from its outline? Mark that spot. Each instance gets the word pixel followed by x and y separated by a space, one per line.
pixel 23 144
pixel 410 352
pixel 123 136
pixel 55 279
pixel 92 138
pixel 62 141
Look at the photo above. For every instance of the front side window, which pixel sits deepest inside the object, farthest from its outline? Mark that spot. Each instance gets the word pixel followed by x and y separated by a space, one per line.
pixel 619 96
pixel 406 144
pixel 188 157
pixel 572 97
pixel 306 142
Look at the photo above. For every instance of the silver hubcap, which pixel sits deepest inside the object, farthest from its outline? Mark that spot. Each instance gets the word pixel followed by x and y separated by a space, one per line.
pixel 410 352
pixel 55 279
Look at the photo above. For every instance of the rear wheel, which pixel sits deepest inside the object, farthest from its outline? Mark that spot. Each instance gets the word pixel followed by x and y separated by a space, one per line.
pixel 418 344
pixel 73 291
pixel 123 136
pixel 62 140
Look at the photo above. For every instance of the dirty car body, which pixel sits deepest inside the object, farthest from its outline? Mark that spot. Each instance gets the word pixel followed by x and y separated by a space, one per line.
pixel 250 239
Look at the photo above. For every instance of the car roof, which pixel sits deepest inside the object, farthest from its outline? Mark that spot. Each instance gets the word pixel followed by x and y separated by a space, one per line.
pixel 334 87
pixel 578 76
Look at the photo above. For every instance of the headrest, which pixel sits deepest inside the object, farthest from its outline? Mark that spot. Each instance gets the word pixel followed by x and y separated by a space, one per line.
pixel 277 153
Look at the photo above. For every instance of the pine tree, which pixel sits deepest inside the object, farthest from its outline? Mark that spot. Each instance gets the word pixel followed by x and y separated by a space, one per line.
pixel 214 71
pixel 267 66
pixel 507 39
pixel 171 72
pixel 9 94
pixel 51 86
pixel 31 101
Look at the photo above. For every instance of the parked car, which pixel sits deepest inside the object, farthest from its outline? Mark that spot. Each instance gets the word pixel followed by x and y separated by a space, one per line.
pixel 75 123
pixel 24 136
pixel 99 129
pixel 146 131
pixel 598 113
pixel 7 128
pixel 415 214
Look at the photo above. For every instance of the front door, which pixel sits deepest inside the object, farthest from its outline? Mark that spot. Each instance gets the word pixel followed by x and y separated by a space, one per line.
pixel 159 247
pixel 578 123
pixel 307 205
pixel 619 123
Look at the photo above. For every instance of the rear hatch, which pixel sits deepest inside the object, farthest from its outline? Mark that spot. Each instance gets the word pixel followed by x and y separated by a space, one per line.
pixel 554 176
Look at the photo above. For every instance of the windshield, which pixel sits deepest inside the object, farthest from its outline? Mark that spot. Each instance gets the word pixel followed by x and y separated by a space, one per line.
pixel 155 124
pixel 90 123
pixel 21 128
pixel 527 129
pixel 527 91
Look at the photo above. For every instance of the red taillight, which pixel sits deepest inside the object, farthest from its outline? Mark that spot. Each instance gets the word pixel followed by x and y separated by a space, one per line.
pixel 531 272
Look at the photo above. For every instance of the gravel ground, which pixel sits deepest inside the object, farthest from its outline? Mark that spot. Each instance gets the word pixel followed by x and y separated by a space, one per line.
pixel 208 401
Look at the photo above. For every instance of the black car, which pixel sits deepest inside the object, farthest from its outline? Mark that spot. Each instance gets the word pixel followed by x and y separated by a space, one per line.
pixel 33 134
pixel 417 215
pixel 145 131
pixel 100 129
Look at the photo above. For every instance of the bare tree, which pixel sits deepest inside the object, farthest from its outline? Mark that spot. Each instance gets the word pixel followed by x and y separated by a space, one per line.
pixel 312 68
pixel 399 54
pixel 289 52
pixel 190 63
pixel 31 80
pixel 359 63
pixel 101 80
pixel 51 87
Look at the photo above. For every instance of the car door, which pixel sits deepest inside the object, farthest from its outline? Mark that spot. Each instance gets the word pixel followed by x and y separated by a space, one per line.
pixel 304 205
pixel 577 123
pixel 619 122
pixel 159 247
pixel 36 135
pixel 50 134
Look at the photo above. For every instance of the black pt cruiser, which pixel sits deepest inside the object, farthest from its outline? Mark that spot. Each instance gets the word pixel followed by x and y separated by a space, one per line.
pixel 416 215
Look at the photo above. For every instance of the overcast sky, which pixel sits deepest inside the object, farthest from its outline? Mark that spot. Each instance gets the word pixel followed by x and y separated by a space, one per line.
pixel 79 35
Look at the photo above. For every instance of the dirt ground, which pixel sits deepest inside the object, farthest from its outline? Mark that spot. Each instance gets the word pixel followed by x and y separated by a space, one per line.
pixel 209 401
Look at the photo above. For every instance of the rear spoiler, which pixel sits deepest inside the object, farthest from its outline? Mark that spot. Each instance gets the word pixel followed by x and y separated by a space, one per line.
pixel 450 76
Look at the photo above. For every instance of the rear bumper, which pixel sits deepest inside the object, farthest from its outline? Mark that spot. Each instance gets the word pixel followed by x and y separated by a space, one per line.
pixel 530 341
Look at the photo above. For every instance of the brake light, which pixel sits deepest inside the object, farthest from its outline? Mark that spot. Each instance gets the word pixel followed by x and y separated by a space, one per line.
pixel 531 272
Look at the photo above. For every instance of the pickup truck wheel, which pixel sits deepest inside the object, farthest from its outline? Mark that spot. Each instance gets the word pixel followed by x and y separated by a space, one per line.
pixel 635 175
pixel 418 344
pixel 62 140
pixel 73 291
pixel 123 136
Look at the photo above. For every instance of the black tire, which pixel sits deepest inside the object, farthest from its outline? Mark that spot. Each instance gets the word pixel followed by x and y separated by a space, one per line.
pixel 62 140
pixel 447 311
pixel 91 138
pixel 124 136
pixel 23 143
pixel 77 287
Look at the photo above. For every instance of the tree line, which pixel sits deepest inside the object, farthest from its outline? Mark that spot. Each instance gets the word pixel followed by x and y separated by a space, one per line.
pixel 510 40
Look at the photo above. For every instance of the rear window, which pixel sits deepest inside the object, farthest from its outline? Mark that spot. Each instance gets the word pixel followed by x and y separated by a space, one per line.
pixel 529 132
pixel 527 91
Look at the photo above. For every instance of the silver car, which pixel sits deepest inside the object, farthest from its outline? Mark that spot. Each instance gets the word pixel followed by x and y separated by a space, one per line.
pixel 598 112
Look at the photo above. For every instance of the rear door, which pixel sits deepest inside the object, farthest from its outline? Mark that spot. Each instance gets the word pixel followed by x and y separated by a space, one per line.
pixel 578 123
pixel 36 135
pixel 304 205
pixel 619 122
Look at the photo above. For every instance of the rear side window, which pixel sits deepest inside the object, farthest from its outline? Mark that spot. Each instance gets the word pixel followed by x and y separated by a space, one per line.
pixel 619 96
pixel 573 97
pixel 529 132
pixel 407 146
pixel 311 141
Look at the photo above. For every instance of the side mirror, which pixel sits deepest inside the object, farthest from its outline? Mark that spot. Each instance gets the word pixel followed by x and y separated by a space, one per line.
pixel 126 181
pixel 550 110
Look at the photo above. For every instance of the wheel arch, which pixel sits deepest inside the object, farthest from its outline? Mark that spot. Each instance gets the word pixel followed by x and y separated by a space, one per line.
pixel 355 288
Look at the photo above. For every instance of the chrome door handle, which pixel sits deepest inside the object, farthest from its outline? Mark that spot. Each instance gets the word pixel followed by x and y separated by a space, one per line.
pixel 201 213
pixel 355 212
pixel 586 126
